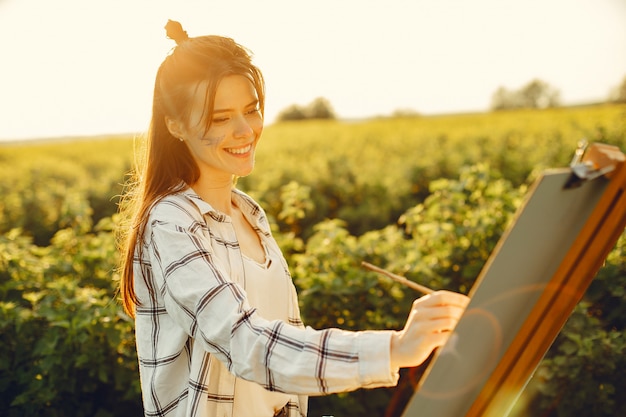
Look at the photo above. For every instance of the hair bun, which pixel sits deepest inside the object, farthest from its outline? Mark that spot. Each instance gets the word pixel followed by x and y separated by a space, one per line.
pixel 174 31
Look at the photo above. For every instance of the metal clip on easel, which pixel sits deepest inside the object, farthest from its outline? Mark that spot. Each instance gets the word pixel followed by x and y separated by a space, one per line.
pixel 593 161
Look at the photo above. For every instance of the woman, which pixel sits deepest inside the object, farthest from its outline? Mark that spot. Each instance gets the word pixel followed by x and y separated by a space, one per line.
pixel 217 323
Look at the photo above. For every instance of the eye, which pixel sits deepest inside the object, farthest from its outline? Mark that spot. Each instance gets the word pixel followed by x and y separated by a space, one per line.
pixel 220 120
pixel 252 111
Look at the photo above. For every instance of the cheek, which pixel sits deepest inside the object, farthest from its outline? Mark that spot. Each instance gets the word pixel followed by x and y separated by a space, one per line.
pixel 258 128
pixel 212 140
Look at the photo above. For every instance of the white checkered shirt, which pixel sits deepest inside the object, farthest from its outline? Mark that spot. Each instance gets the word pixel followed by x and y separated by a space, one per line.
pixel 195 330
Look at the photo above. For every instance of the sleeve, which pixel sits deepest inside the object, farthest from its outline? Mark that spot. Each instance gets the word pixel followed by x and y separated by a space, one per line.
pixel 210 307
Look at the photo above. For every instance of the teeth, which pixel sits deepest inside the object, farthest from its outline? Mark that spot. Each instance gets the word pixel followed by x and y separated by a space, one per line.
pixel 240 151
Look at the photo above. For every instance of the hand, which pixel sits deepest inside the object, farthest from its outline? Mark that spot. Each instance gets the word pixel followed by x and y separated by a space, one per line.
pixel 429 325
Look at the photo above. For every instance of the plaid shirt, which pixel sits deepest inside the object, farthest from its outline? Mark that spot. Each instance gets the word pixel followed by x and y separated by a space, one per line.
pixel 196 332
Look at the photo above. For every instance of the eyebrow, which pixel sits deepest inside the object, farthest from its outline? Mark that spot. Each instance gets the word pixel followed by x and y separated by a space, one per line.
pixel 252 103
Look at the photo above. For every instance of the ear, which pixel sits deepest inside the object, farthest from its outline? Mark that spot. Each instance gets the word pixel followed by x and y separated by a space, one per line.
pixel 175 127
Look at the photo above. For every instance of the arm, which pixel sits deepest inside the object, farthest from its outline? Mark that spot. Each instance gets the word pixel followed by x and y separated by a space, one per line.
pixel 204 301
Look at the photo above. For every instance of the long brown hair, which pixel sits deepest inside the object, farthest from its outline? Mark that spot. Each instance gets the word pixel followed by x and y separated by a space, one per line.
pixel 166 165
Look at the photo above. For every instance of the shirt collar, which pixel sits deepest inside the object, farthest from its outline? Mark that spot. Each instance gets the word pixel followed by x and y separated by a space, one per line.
pixel 202 205
pixel 246 204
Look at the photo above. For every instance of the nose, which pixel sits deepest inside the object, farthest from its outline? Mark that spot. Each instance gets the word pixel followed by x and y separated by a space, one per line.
pixel 243 129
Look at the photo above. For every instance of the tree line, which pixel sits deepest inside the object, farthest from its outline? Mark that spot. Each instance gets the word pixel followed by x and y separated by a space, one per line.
pixel 536 94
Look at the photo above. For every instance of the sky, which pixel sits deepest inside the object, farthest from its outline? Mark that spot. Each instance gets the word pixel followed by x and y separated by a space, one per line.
pixel 87 67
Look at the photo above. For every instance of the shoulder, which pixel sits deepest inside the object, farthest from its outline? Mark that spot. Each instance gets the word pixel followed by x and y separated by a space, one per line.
pixel 247 203
pixel 175 215
pixel 251 209
pixel 181 208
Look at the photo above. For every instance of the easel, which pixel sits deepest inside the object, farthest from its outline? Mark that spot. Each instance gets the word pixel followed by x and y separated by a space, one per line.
pixel 534 278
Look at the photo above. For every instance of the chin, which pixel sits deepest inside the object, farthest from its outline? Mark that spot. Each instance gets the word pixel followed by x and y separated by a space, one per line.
pixel 244 172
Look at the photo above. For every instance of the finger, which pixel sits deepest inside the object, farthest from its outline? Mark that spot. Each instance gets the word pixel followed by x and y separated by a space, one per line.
pixel 443 298
pixel 432 340
pixel 439 339
pixel 443 311
pixel 436 311
pixel 434 326
pixel 446 324
pixel 450 298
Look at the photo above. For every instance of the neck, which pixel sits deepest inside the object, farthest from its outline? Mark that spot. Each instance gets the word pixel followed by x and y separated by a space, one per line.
pixel 216 192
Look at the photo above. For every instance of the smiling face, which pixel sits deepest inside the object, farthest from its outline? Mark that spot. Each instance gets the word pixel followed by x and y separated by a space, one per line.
pixel 227 148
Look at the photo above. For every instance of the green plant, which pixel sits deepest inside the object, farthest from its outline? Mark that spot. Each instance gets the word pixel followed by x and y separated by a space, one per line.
pixel 425 197
pixel 67 348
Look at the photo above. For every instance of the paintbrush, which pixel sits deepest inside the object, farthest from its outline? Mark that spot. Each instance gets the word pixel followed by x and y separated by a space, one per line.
pixel 398 278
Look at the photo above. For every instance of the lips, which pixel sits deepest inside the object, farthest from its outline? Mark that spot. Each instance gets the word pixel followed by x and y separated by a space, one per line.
pixel 240 151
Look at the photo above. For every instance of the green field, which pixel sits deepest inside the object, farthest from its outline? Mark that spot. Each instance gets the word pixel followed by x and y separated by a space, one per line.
pixel 427 197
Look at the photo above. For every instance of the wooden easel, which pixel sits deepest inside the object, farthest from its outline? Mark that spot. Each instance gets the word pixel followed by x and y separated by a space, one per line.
pixel 536 275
